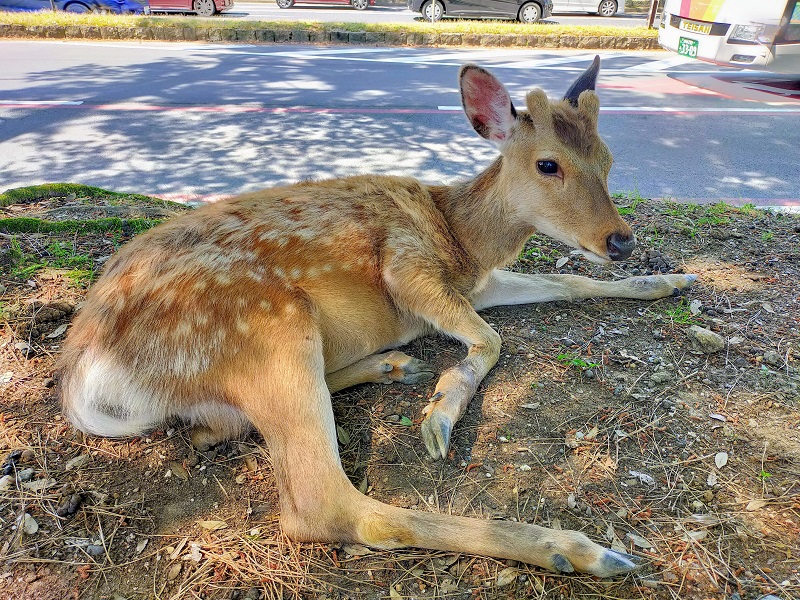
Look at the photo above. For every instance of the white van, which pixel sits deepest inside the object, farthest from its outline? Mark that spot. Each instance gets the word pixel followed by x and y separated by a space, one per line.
pixel 604 8
pixel 763 34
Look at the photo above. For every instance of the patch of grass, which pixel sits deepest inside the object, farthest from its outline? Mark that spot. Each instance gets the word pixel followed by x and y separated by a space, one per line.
pixel 630 199
pixel 574 360
pixel 63 256
pixel 33 193
pixel 767 236
pixel 33 225
pixel 444 26
pixel 681 314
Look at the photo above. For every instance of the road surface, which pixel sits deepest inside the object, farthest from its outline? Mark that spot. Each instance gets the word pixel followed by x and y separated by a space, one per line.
pixel 194 121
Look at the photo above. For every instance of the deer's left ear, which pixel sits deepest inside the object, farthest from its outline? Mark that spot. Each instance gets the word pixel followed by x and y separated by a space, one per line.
pixel 586 81
pixel 486 103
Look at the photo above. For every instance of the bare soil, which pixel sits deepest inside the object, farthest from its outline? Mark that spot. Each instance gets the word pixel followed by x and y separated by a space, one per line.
pixel 602 416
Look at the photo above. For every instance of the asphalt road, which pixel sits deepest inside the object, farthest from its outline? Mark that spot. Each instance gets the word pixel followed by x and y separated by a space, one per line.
pixel 269 11
pixel 198 121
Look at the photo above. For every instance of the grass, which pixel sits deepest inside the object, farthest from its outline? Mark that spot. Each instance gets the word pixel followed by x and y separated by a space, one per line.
pixel 35 193
pixel 422 27
pixel 573 360
pixel 59 255
pixel 33 225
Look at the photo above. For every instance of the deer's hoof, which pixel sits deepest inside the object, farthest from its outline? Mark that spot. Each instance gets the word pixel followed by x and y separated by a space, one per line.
pixel 406 369
pixel 436 430
pixel 613 563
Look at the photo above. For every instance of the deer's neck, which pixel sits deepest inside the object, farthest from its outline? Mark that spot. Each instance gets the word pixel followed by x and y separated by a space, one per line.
pixel 481 218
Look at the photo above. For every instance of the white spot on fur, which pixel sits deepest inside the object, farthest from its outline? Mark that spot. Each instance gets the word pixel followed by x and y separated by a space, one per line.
pixel 265 304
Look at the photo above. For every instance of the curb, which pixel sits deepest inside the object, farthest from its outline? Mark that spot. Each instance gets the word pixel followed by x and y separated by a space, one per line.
pixel 301 36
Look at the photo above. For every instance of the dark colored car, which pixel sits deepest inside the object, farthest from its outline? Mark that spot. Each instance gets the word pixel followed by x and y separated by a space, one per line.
pixel 527 11
pixel 136 7
pixel 204 8
pixel 357 4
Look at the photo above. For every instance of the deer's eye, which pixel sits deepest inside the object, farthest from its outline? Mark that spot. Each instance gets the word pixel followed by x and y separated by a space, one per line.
pixel 547 167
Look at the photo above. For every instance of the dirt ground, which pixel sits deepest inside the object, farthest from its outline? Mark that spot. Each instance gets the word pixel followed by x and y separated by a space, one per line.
pixel 605 416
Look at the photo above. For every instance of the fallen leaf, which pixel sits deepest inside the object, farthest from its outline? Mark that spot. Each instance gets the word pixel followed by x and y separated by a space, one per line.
pixel 755 504
pixel 718 417
pixel 58 332
pixel 643 477
pixel 77 462
pixel 721 459
pixel 344 437
pixel 405 421
pixel 212 525
pixel 506 576
pixel 38 485
pixel 712 479
pixel 356 550
pixel 562 261
pixel 695 307
pixel 695 536
pixel 638 540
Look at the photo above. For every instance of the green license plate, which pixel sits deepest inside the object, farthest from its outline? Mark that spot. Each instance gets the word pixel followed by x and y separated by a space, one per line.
pixel 687 47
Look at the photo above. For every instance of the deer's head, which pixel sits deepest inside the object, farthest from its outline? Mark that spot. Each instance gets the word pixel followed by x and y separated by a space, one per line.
pixel 555 166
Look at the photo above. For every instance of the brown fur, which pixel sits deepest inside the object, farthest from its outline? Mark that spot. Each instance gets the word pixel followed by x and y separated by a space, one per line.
pixel 252 310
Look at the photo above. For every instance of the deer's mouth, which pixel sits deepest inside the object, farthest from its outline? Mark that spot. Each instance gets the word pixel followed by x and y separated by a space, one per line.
pixel 592 257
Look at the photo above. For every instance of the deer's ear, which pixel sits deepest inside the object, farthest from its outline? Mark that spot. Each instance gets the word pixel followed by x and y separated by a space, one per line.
pixel 486 103
pixel 586 81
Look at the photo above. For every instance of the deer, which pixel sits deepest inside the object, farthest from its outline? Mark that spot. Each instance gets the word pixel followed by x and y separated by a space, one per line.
pixel 252 311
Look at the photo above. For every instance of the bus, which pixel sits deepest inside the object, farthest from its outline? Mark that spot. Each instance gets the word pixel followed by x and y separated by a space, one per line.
pixel 754 34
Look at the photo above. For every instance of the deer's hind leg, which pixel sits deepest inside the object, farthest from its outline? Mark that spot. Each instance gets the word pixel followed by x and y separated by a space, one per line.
pixel 387 367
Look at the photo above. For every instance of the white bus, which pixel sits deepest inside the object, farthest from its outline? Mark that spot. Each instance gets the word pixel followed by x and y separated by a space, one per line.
pixel 756 34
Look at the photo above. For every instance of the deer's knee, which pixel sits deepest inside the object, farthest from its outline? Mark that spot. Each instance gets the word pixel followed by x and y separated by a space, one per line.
pixel 349 517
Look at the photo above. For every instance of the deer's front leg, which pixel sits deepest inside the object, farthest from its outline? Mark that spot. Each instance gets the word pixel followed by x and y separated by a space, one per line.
pixel 459 383
pixel 417 289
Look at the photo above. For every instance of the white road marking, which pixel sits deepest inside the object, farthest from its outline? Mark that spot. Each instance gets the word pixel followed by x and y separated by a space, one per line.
pixel 42 102
pixel 660 65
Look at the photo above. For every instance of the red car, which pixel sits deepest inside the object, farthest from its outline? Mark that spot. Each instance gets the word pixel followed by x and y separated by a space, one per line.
pixel 204 8
pixel 357 4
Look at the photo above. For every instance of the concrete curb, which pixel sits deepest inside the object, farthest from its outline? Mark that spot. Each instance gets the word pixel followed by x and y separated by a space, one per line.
pixel 298 36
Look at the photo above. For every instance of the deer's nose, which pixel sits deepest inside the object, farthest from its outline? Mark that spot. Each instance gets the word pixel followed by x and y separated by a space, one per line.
pixel 620 246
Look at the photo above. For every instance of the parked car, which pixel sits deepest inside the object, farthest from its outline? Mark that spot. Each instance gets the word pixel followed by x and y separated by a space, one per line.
pixel 527 11
pixel 604 8
pixel 204 8
pixel 136 7
pixel 357 4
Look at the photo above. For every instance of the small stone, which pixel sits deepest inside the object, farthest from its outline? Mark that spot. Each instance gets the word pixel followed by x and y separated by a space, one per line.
pixel 178 470
pixel 6 483
pixel 95 550
pixel 29 524
pixel 70 505
pixel 705 340
pixel 173 572
pixel 26 474
pixel 708 496
pixel 253 594
pixel 251 463
pixel 721 459
pixel 773 359
pixel 27 455
pixel 393 418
